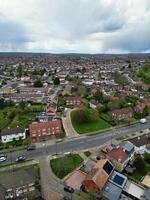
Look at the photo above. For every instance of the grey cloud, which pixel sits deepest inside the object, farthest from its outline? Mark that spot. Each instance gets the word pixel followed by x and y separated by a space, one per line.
pixel 132 39
pixel 13 36
pixel 77 19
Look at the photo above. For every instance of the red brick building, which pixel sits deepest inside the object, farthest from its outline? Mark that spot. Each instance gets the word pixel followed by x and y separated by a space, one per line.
pixel 140 108
pixel 44 130
pixel 121 114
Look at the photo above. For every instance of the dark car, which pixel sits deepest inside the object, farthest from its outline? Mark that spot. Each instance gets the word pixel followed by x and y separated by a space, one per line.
pixel 98 158
pixel 20 158
pixel 30 148
pixel 68 189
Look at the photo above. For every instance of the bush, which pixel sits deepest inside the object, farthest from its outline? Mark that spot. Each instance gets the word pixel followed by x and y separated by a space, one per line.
pixel 147 158
pixel 87 153
pixel 139 163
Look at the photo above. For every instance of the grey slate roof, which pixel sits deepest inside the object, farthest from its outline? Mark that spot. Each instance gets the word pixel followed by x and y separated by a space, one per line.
pixel 10 131
pixel 127 147
pixel 111 191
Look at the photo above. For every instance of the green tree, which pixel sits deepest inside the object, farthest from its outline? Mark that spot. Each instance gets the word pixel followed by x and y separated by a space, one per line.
pixel 139 163
pixel 56 81
pixel 38 83
pixel 2 103
pixel 99 96
pixel 20 71
pixel 22 105
pixel 147 158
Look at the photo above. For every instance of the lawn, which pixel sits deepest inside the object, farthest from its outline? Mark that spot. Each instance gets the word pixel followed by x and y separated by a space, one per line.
pixel 61 167
pixel 94 125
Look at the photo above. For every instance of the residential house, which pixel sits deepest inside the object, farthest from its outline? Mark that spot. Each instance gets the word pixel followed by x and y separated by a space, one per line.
pixel 119 158
pixel 97 178
pixel 35 97
pixel 121 114
pixel 141 143
pixel 139 108
pixel 52 108
pixel 133 190
pixel 44 130
pixel 128 147
pixel 10 134
pixel 115 185
pixel 93 103
pixel 76 101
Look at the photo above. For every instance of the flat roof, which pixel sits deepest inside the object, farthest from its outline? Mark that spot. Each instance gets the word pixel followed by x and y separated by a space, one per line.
pixel 118 179
pixel 134 189
pixel 75 179
pixel 112 191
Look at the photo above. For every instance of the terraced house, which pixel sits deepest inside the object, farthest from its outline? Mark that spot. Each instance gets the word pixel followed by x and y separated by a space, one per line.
pixel 44 130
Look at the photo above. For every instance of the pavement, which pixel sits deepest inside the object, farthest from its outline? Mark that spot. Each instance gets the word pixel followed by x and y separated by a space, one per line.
pixel 67 124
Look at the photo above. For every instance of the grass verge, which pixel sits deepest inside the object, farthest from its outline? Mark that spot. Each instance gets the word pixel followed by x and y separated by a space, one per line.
pixel 61 167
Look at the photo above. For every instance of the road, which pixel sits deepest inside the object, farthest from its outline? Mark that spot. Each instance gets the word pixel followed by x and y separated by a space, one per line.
pixel 79 143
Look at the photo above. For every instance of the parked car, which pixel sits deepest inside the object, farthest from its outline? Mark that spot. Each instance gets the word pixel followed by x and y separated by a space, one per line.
pixel 20 158
pixel 3 157
pixel 30 148
pixel 68 189
pixel 142 121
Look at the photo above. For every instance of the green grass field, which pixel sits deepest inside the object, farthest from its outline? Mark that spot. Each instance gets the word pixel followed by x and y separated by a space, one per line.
pixel 61 167
pixel 94 125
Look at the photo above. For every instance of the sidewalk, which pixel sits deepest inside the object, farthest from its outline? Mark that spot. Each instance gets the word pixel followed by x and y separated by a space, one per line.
pixel 17 165
pixel 67 124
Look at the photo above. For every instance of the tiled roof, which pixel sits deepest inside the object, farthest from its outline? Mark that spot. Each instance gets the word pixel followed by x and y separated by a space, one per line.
pixel 10 131
pixel 118 155
pixel 98 174
pixel 141 140
pixel 44 125
pixel 122 111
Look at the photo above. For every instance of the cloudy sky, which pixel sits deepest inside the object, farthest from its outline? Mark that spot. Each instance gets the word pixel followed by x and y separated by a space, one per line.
pixel 87 26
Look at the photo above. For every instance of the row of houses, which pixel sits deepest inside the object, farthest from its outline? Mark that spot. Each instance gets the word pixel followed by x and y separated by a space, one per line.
pixel 38 131
pixel 105 177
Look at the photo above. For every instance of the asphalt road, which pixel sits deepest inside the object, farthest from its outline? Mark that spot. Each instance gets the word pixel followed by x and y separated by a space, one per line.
pixel 79 143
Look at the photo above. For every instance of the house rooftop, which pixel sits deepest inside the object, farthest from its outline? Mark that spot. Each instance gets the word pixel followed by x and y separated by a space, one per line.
pixel 118 179
pixel 118 155
pixel 133 189
pixel 141 140
pixel 111 191
pixel 10 131
pixel 100 173
pixel 128 147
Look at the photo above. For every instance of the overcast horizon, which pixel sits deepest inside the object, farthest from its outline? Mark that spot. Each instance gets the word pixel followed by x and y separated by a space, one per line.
pixel 75 26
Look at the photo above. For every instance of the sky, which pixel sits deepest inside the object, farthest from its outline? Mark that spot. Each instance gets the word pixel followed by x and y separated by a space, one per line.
pixel 75 26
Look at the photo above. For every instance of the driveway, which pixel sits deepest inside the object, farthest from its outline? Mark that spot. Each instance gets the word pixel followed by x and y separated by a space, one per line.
pixel 67 124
